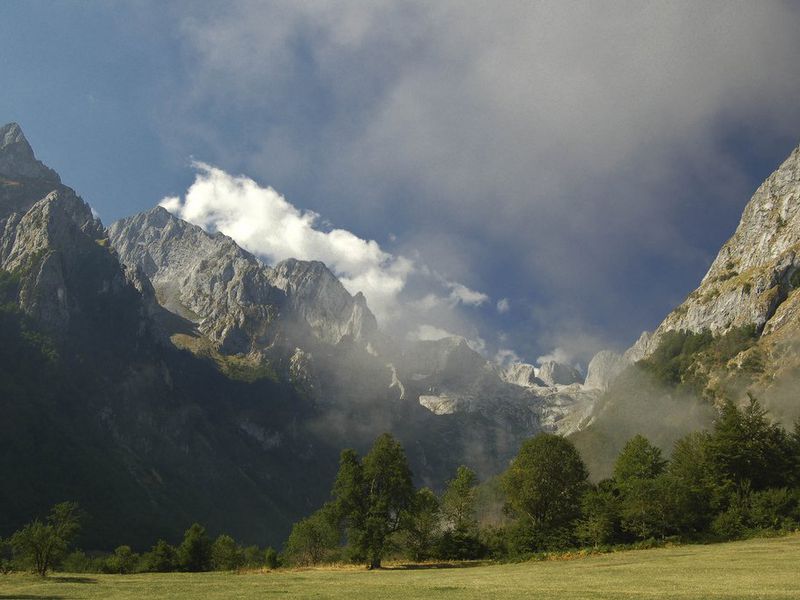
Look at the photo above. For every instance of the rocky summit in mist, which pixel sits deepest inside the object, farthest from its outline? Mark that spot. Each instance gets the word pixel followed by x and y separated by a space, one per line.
pixel 157 370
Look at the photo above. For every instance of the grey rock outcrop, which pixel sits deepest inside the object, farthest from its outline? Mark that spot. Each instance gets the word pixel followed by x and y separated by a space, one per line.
pixel 235 300
pixel 754 272
pixel 555 373
pixel 54 246
pixel 522 374
pixel 204 278
pixel 449 377
pixel 318 297
pixel 17 159
pixel 604 367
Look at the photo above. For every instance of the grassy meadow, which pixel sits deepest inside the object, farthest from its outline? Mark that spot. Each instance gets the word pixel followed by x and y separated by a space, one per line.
pixel 759 568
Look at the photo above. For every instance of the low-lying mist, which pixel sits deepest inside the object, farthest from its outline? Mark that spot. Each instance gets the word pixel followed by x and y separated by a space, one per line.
pixel 636 403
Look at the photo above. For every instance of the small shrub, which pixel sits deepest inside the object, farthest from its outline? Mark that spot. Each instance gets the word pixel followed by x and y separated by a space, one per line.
pixel 122 561
pixel 271 558
pixel 728 525
pixel 773 509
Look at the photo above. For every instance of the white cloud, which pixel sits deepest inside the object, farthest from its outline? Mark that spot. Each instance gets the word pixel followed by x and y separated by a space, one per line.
pixel 505 357
pixel 262 221
pixel 503 305
pixel 554 134
pixel 559 355
pixel 426 332
pixel 460 293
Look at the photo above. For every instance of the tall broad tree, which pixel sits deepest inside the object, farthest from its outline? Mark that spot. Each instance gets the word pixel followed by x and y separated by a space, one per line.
pixel 43 544
pixel 545 481
pixel 194 553
pixel 747 450
pixel 373 497
pixel 639 459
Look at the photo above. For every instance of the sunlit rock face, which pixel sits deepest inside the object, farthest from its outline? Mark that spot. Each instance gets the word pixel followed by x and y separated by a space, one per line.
pixel 555 373
pixel 603 369
pixel 51 242
pixel 755 271
pixel 318 297
pixel 233 298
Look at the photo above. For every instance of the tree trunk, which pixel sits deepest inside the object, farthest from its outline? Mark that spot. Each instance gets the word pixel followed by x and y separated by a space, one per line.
pixel 375 563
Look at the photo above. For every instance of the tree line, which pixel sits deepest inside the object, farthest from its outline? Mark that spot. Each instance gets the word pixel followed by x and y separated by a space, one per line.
pixel 41 546
pixel 740 478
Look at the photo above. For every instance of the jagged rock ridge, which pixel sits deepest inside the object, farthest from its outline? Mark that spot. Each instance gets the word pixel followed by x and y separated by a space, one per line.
pixel 234 299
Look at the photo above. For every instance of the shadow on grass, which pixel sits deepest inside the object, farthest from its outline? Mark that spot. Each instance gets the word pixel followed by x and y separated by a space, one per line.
pixel 442 565
pixel 68 579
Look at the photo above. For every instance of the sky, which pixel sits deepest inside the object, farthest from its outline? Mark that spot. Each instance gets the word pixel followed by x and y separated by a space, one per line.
pixel 545 178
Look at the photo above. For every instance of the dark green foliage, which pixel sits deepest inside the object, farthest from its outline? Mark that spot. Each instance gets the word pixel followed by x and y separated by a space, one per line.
pixel 122 561
pixel 6 562
pixel 421 531
pixel 79 562
pixel 599 523
pixel 194 553
pixel 747 451
pixel 372 497
pixel 271 558
pixel 545 481
pixel 639 459
pixel 775 508
pixel 253 556
pixel 691 465
pixel 226 555
pixel 683 357
pixel 655 507
pixel 458 501
pixel 674 356
pixel 162 558
pixel 460 539
pixel 40 545
pixel 312 538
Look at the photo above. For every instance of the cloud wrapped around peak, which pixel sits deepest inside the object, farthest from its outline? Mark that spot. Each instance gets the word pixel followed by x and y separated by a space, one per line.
pixel 263 222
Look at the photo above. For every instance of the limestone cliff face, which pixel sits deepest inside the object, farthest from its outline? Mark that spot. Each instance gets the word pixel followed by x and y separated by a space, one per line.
pixel 522 374
pixel 234 299
pixel 603 369
pixel 17 158
pixel 204 278
pixel 51 242
pixel 755 271
pixel 318 297
pixel 753 282
pixel 555 373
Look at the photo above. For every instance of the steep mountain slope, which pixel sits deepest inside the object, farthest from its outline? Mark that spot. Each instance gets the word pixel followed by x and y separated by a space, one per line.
pixel 295 318
pixel 96 409
pixel 738 333
pixel 750 292
pixel 102 403
pixel 753 273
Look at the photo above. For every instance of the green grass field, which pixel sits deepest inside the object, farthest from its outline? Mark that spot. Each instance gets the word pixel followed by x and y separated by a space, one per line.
pixel 762 568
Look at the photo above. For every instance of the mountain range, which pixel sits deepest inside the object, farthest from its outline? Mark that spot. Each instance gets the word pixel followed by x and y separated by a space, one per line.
pixel 159 374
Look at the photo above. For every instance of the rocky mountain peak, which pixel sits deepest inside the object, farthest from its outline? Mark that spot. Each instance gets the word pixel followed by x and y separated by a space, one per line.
pixel 17 159
pixel 754 272
pixel 522 374
pixel 317 295
pixel 555 373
